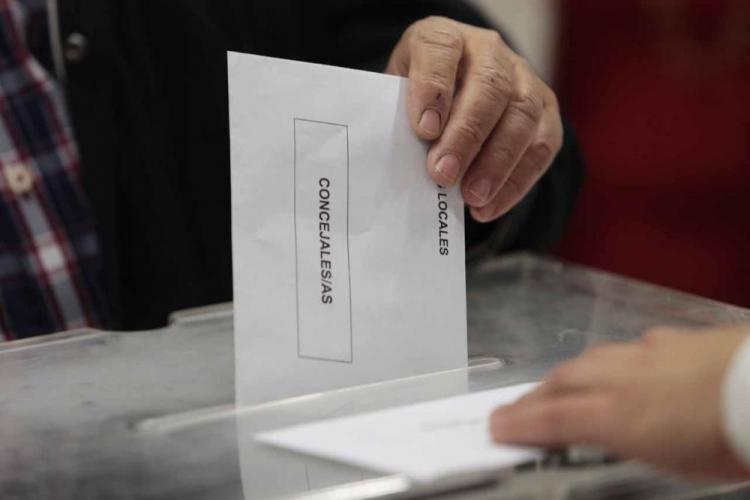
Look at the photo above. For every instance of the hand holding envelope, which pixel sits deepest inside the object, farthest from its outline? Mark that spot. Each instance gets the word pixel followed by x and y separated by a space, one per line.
pixel 349 263
pixel 348 258
pixel 495 123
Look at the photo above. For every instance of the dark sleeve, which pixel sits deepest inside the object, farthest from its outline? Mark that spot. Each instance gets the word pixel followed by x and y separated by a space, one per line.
pixel 362 33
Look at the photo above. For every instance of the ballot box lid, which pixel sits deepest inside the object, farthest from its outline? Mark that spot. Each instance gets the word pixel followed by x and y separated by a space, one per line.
pixel 151 414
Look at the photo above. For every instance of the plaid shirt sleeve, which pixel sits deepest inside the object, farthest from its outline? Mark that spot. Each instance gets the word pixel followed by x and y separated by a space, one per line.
pixel 51 273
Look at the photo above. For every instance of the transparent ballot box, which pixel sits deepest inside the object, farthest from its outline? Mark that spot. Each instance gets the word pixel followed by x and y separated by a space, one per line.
pixel 151 414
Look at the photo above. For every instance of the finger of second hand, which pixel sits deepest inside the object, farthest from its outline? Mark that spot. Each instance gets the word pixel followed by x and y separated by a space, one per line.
pixel 605 367
pixel 553 422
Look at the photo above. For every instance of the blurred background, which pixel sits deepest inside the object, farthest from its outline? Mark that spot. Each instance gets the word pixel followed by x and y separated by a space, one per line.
pixel 659 94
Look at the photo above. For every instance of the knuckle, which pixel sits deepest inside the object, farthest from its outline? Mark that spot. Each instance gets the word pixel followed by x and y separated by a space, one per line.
pixel 530 106
pixel 437 34
pixel 470 130
pixel 422 25
pixel 494 80
pixel 550 97
pixel 432 20
pixel 503 153
pixel 531 92
pixel 437 84
pixel 493 37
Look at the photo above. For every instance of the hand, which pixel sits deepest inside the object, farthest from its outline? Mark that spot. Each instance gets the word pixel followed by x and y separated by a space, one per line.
pixel 657 400
pixel 495 124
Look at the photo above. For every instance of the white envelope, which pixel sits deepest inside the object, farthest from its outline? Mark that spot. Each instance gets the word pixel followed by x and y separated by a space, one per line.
pixel 426 441
pixel 348 259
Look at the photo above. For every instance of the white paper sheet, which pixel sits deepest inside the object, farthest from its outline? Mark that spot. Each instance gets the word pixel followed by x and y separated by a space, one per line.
pixel 425 441
pixel 348 260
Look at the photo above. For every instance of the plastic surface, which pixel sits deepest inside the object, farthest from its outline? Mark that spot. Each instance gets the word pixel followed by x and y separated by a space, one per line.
pixel 151 414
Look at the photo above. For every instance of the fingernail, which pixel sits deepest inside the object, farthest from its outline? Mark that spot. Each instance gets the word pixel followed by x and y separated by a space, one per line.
pixel 430 122
pixel 480 190
pixel 448 167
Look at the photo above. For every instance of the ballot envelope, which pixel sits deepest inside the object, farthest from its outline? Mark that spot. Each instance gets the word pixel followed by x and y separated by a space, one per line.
pixel 91 414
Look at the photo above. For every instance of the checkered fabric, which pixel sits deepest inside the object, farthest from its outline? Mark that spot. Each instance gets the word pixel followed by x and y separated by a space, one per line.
pixel 51 274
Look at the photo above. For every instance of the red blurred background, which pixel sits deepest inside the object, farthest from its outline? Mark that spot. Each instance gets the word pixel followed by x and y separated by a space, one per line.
pixel 659 93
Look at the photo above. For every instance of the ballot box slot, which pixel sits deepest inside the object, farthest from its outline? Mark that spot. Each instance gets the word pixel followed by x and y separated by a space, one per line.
pixel 202 315
pixel 184 420
pixel 54 341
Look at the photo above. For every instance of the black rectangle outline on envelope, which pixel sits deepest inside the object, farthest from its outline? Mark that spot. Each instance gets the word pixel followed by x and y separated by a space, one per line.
pixel 296 257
